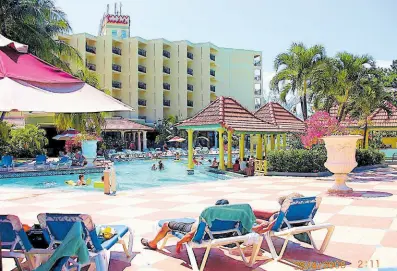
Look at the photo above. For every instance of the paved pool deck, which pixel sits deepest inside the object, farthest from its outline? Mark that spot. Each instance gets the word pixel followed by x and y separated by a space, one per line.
pixel 365 233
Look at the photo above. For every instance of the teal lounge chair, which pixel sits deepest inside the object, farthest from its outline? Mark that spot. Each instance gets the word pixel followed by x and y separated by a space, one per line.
pixel 7 162
pixel 56 227
pixel 233 220
pixel 72 253
pixel 295 212
pixel 63 162
pixel 41 161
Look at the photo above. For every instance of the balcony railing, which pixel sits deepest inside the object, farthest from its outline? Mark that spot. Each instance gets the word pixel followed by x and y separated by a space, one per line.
pixel 166 70
pixel 141 52
pixel 167 102
pixel 190 71
pixel 189 87
pixel 142 102
pixel 141 85
pixel 91 67
pixel 258 91
pixel 257 63
pixel 166 86
pixel 212 57
pixel 166 53
pixel 116 50
pixel 116 84
pixel 257 78
pixel 190 55
pixel 212 72
pixel 141 68
pixel 212 88
pixel 142 117
pixel 90 49
pixel 116 67
pixel 257 106
pixel 189 103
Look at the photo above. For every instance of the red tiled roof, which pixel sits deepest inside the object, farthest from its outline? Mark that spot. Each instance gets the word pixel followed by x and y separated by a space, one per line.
pixel 124 124
pixel 275 114
pixel 348 121
pixel 379 117
pixel 227 112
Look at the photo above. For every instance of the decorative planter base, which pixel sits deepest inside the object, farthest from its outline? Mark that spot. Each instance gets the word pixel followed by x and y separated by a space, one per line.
pixel 190 172
pixel 340 184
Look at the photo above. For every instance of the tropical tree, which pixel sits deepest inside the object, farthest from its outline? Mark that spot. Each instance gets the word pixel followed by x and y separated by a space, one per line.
pixel 36 23
pixel 294 72
pixel 28 141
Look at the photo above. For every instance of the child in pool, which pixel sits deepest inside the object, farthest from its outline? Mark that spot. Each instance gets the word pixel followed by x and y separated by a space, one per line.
pixel 154 167
pixel 81 180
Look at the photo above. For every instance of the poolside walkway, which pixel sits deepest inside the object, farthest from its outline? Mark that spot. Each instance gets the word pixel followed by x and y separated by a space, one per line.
pixel 365 234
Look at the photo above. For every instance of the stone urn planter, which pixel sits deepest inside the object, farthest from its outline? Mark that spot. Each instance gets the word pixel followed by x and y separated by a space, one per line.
pixel 89 148
pixel 341 159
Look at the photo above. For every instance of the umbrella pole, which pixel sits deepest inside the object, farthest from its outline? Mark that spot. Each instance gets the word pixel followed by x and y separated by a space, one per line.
pixel 3 114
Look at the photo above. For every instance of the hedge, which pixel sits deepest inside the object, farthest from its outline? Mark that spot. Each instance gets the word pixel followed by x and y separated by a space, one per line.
pixel 312 161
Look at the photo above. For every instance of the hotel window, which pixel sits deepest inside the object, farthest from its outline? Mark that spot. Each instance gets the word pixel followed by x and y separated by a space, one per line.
pixel 123 34
pixel 258 90
pixel 257 60
pixel 114 33
pixel 257 103
pixel 257 75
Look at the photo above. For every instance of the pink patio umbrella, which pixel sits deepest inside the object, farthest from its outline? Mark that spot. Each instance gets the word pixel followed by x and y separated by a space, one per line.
pixel 67 135
pixel 176 139
pixel 29 84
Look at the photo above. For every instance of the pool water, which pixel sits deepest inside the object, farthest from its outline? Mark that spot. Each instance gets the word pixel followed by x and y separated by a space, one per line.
pixel 131 175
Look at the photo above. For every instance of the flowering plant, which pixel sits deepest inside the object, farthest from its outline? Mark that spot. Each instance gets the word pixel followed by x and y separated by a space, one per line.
pixel 319 125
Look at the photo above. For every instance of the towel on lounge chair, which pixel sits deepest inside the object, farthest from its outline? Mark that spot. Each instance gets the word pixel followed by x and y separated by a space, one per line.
pixel 72 245
pixel 243 214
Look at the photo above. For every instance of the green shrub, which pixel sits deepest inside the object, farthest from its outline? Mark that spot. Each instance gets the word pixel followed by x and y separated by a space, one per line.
pixel 312 161
pixel 27 142
pixel 369 157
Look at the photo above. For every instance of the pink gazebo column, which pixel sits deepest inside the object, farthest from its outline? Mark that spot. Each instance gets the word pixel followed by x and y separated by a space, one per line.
pixel 139 141
pixel 144 140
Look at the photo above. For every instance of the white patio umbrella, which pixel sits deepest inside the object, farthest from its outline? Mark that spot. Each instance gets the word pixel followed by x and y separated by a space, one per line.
pixel 29 84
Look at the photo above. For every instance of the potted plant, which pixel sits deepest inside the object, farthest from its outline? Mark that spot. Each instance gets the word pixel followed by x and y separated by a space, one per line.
pixel 88 147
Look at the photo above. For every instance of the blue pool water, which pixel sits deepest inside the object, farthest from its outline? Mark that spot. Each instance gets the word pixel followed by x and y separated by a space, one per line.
pixel 130 176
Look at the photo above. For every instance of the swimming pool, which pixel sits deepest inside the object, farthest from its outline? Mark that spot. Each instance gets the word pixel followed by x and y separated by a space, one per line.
pixel 131 175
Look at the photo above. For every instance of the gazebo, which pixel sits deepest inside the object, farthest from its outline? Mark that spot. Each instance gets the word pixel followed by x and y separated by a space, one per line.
pixel 277 115
pixel 129 130
pixel 222 115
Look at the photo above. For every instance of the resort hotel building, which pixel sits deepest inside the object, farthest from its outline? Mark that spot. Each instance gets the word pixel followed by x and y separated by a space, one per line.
pixel 161 78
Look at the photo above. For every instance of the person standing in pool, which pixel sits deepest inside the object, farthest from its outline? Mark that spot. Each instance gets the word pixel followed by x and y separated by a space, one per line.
pixel 161 165
pixel 81 180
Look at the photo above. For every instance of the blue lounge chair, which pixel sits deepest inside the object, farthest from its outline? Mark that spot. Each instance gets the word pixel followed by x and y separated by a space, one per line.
pixel 15 243
pixel 63 162
pixel 56 226
pixel 212 223
pixel 72 253
pixel 41 161
pixel 7 162
pixel 293 212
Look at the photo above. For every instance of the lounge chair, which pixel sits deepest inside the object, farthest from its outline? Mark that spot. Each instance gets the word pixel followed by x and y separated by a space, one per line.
pixel 63 162
pixel 56 226
pixel 207 234
pixel 7 162
pixel 15 243
pixel 41 161
pixel 297 211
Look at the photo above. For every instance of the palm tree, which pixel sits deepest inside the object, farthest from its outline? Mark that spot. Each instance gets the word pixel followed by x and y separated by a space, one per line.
pixel 342 80
pixel 36 23
pixel 294 72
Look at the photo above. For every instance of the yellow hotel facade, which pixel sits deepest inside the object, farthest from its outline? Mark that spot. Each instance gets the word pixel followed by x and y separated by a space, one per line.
pixel 160 78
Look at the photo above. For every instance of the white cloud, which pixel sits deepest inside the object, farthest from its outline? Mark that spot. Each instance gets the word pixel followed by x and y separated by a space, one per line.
pixel 383 63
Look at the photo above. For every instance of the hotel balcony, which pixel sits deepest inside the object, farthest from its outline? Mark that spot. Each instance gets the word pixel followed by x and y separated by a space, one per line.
pixel 166 53
pixel 167 103
pixel 257 78
pixel 166 70
pixel 166 86
pixel 190 55
pixel 116 84
pixel 258 92
pixel 142 52
pixel 189 103
pixel 189 87
pixel 212 57
pixel 190 71
pixel 90 66
pixel 142 68
pixel 257 63
pixel 141 85
pixel 212 88
pixel 212 72
pixel 116 67
pixel 116 50
pixel 141 102
pixel 90 49
pixel 142 118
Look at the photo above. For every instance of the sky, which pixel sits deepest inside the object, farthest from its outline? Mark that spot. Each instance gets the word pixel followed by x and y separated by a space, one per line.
pixel 270 26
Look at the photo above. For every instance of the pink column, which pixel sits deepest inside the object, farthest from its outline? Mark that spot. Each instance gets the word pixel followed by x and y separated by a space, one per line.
pixel 139 141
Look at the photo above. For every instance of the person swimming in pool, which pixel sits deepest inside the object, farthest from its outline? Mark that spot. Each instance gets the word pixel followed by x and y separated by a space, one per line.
pixel 154 167
pixel 81 180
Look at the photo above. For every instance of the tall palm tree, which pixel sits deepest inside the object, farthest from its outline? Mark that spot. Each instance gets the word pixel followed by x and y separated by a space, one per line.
pixel 294 70
pixel 343 80
pixel 37 23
